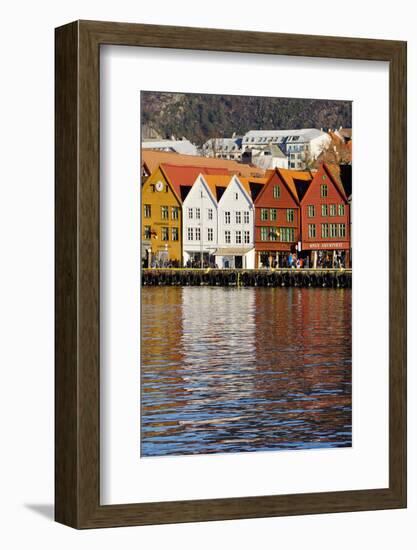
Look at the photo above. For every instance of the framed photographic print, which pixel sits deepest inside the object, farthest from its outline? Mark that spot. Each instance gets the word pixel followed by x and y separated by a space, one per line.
pixel 230 274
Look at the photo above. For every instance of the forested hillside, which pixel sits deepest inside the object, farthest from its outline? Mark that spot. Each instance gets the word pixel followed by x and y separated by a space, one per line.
pixel 199 117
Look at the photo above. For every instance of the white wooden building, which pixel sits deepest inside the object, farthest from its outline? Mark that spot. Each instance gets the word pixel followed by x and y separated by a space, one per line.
pixel 235 227
pixel 199 224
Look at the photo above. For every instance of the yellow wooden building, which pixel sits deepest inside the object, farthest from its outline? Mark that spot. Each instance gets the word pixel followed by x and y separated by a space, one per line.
pixel 161 222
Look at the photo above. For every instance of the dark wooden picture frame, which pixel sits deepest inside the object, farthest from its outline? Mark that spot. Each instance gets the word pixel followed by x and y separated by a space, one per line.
pixel 77 405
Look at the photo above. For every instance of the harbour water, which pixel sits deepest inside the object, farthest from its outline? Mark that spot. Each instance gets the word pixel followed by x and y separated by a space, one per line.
pixel 226 369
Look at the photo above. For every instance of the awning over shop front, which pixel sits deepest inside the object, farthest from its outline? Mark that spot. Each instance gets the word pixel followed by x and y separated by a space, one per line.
pixel 233 251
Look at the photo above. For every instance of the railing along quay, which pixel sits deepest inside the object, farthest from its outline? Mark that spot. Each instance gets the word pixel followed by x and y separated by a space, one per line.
pixel 318 278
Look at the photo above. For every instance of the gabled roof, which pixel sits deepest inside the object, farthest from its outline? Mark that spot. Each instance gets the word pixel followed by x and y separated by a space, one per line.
pixel 256 185
pixel 342 175
pixel 182 177
pixel 253 186
pixel 297 181
pixel 244 182
pixel 217 184
pixel 333 171
pixel 330 171
pixel 152 159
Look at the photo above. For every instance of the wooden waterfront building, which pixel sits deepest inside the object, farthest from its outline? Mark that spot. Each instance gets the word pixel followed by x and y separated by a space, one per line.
pixel 163 193
pixel 277 218
pixel 199 220
pixel 325 220
pixel 161 221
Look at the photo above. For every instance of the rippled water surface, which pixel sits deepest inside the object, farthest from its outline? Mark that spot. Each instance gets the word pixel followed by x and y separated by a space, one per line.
pixel 244 369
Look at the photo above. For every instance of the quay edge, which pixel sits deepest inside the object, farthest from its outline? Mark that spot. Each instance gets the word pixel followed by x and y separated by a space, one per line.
pixel 306 278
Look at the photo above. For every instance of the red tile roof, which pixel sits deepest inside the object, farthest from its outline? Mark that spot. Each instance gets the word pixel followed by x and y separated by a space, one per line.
pixel 152 159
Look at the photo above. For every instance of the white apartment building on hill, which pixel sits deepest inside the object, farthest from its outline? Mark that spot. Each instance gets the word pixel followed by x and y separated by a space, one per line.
pixel 223 148
pixel 182 146
pixel 299 146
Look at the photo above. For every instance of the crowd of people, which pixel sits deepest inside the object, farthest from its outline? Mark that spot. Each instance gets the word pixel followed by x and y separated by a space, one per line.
pixel 290 261
pixel 293 261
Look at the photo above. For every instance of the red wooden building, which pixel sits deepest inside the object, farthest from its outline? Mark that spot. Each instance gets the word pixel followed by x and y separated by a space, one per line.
pixel 325 228
pixel 277 218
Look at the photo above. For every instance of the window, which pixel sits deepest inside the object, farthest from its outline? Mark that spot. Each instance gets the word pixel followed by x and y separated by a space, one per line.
pixel 292 164
pixel 273 214
pixel 165 233
pixel 238 217
pixel 324 230
pixel 238 237
pixel 311 230
pixel 310 210
pixel 333 210
pixel 190 234
pixel 277 191
pixel 333 230
pixel 290 214
pixel 175 213
pixel 209 233
pixel 246 216
pixel 273 234
pixel 342 230
pixel 227 217
pixel 153 188
pixel 147 232
pixel 287 234
pixel 264 233
pixel 197 233
pixel 190 213
pixel 197 213
pixel 323 190
pixel 264 214
pixel 246 235
pixel 341 208
pixel 147 210
pixel 164 212
pixel 209 213
pixel 227 237
pixel 324 209
pixel 174 233
pixel 236 196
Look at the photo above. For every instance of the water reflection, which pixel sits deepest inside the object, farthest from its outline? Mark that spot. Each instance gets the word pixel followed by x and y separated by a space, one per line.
pixel 229 370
